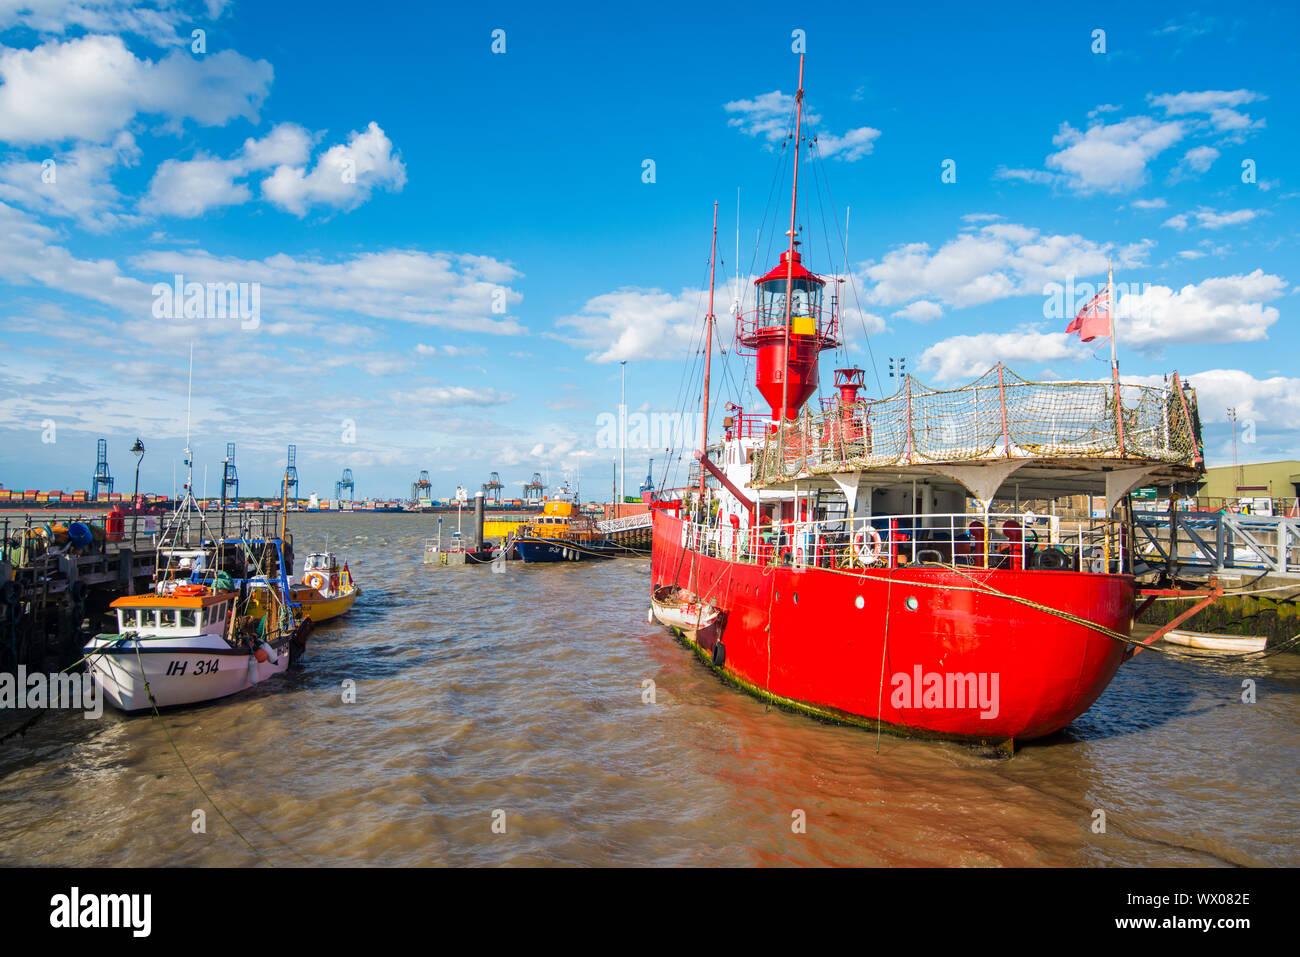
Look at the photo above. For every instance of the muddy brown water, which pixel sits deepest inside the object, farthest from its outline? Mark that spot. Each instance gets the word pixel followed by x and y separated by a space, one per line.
pixel 486 698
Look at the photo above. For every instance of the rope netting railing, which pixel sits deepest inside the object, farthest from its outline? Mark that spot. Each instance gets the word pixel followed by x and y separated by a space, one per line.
pixel 999 415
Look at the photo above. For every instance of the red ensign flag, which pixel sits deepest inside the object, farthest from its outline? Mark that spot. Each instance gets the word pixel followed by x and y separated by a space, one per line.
pixel 1093 320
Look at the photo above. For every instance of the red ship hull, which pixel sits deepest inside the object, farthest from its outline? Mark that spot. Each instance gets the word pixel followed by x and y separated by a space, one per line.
pixel 926 651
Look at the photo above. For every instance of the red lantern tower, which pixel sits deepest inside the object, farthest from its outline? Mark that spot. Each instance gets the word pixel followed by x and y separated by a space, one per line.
pixel 788 330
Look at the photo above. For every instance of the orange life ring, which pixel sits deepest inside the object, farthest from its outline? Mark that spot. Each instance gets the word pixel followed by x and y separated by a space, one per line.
pixel 190 591
pixel 317 581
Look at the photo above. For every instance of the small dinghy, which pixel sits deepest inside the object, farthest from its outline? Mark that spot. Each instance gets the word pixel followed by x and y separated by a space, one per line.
pixel 695 620
pixel 1238 644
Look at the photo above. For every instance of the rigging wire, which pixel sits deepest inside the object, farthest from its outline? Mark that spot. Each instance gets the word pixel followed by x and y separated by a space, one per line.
pixel 853 286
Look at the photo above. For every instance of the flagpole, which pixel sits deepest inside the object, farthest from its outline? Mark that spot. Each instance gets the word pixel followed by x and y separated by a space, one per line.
pixel 1114 360
pixel 1110 309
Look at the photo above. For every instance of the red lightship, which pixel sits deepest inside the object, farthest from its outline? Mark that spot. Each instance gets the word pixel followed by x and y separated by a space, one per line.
pixel 878 561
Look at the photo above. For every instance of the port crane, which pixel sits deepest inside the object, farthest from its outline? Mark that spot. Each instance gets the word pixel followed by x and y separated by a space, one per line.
pixel 345 483
pixel 648 486
pixel 533 491
pixel 101 478
pixel 492 489
pixel 229 477
pixel 291 475
pixel 422 489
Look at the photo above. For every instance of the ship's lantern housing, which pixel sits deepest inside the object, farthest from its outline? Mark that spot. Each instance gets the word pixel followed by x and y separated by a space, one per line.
pixel 811 331
pixel 849 382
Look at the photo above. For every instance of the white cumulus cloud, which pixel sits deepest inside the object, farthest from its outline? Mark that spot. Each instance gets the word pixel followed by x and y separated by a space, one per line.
pixel 91 87
pixel 343 177
pixel 1219 309
pixel 771 116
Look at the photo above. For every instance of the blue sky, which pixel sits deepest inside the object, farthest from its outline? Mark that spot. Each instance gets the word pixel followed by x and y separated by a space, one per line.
pixel 453 248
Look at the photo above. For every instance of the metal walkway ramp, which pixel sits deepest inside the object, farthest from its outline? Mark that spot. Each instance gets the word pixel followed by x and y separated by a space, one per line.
pixel 626 523
pixel 1220 542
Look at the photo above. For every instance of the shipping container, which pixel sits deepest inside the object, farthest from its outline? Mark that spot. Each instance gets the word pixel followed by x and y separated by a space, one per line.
pixel 5 494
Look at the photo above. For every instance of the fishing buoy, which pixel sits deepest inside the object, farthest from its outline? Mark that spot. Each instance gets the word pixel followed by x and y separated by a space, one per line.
pixel 266 653
pixel 649 616
pixel 80 535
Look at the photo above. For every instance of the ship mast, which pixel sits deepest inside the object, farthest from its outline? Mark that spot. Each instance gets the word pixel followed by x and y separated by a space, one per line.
pixel 708 343
pixel 789 273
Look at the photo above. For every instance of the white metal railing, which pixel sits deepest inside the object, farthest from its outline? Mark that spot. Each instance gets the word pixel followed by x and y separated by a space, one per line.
pixel 641 520
pixel 1017 541
pixel 1220 542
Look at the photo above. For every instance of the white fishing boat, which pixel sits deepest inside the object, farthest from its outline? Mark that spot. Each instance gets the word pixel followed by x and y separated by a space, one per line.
pixel 1236 644
pixel 187 645
pixel 195 638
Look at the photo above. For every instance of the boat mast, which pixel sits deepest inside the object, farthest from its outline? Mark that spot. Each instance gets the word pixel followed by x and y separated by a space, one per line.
pixel 789 271
pixel 708 343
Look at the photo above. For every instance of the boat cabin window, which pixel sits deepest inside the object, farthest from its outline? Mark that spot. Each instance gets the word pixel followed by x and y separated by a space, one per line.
pixel 188 617
pixel 806 300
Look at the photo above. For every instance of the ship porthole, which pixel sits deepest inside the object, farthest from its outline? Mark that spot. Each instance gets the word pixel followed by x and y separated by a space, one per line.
pixel 911 603
pixel 859 602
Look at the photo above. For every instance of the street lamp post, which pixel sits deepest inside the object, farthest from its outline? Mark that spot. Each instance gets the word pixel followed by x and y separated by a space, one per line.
pixel 138 451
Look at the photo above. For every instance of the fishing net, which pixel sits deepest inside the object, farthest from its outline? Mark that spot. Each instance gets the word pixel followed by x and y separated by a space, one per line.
pixel 999 415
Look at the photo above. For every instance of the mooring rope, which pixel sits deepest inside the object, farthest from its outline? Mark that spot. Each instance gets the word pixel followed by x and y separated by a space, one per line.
pixel 154 704
pixel 985 588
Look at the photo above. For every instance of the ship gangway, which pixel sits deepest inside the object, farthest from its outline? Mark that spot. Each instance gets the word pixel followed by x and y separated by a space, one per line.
pixel 631 530
pixel 1206 544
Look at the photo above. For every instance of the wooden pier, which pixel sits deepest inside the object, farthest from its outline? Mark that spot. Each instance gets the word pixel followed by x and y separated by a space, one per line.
pixel 53 597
